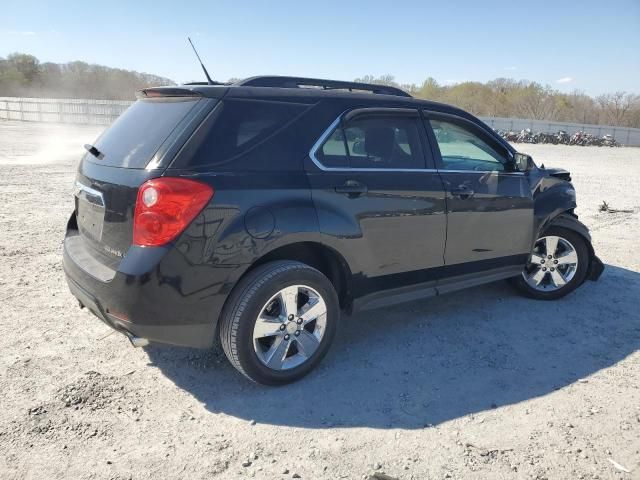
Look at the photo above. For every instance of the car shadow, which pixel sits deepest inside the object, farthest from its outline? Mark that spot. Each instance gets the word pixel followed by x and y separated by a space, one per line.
pixel 431 361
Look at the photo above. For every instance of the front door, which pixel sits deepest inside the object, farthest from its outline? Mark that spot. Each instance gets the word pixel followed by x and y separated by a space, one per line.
pixel 489 204
pixel 379 200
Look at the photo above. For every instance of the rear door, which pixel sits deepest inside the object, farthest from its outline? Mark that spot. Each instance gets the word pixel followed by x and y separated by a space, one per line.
pixel 127 154
pixel 489 205
pixel 379 200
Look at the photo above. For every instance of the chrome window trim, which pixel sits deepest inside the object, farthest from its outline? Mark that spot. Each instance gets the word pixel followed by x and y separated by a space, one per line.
pixel 316 146
pixel 327 133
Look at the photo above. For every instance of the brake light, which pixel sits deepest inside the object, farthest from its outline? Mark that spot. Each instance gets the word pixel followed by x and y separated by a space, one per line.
pixel 164 208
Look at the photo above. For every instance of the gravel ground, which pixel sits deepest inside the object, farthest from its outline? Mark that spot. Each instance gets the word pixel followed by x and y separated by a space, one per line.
pixel 480 384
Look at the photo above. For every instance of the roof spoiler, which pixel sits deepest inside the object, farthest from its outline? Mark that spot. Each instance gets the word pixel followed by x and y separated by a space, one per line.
pixel 155 92
pixel 298 82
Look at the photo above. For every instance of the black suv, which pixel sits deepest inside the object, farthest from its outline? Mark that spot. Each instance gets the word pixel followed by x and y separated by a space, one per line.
pixel 255 213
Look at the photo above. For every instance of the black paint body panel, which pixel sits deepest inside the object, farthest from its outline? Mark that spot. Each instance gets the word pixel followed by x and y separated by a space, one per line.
pixel 497 221
pixel 397 228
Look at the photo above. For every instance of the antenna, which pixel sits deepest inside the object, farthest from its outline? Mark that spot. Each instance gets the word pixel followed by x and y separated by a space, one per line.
pixel 206 74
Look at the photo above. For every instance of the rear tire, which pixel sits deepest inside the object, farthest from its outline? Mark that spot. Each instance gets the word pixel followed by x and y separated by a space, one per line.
pixel 279 322
pixel 552 278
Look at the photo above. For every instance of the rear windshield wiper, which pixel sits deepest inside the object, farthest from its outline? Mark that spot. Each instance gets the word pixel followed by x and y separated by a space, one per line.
pixel 94 151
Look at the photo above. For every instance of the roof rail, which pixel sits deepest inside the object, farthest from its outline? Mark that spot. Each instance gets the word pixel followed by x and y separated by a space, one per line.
pixel 297 82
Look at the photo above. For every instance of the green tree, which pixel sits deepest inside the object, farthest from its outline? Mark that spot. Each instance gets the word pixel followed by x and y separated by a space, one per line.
pixel 27 65
pixel 23 75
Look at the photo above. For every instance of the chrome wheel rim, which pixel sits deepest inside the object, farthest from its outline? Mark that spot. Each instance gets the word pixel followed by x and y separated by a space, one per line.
pixel 552 264
pixel 290 327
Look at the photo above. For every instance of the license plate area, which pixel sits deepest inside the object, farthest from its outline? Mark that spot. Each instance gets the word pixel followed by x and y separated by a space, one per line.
pixel 90 211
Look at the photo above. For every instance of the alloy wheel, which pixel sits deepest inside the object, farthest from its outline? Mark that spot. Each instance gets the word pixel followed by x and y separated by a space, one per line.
pixel 552 264
pixel 290 327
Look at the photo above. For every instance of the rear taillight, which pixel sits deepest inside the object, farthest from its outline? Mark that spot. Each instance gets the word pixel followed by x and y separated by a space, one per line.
pixel 164 208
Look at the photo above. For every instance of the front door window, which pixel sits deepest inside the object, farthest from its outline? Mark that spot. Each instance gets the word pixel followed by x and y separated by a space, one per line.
pixel 461 149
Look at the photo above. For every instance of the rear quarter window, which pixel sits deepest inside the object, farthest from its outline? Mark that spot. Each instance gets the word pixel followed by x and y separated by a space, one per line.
pixel 134 138
pixel 241 127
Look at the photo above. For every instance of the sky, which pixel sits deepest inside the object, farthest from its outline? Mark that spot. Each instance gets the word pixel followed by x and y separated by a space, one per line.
pixel 590 46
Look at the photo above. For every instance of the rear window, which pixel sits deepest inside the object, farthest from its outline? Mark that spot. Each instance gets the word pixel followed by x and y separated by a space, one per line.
pixel 138 133
pixel 242 125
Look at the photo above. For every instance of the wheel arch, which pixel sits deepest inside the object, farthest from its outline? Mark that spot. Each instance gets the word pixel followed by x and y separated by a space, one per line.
pixel 569 220
pixel 319 256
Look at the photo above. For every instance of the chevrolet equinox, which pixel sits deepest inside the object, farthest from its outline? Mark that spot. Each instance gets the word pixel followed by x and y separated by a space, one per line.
pixel 253 214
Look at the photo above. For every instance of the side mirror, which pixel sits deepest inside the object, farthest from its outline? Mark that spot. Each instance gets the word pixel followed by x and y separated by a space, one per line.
pixel 522 162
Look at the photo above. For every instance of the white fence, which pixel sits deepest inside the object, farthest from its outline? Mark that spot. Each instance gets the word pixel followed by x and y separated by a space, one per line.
pixel 84 111
pixel 103 112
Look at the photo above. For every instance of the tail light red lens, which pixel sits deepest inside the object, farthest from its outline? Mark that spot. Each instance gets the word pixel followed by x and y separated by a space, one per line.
pixel 165 207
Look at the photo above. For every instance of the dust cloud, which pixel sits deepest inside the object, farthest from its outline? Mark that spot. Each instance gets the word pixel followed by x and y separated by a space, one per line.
pixel 42 143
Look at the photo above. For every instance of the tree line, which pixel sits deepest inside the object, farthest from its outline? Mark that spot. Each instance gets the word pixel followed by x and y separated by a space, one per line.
pixel 23 75
pixel 505 97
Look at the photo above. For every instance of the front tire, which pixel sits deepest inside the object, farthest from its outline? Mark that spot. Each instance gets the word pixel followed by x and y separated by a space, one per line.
pixel 557 265
pixel 279 322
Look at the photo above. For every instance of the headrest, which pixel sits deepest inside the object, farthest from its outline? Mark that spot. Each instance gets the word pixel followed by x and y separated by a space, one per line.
pixel 379 142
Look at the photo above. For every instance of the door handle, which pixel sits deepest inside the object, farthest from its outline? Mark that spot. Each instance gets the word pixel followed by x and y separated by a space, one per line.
pixel 462 191
pixel 352 188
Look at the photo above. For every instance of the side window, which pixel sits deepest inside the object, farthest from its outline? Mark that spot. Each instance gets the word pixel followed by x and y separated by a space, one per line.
pixel 374 141
pixel 384 142
pixel 461 149
pixel 241 126
pixel 333 153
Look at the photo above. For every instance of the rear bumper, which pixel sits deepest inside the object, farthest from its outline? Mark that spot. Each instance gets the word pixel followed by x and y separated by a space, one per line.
pixel 139 334
pixel 160 298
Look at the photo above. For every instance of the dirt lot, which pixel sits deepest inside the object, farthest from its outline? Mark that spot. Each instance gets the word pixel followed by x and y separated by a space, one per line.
pixel 482 384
